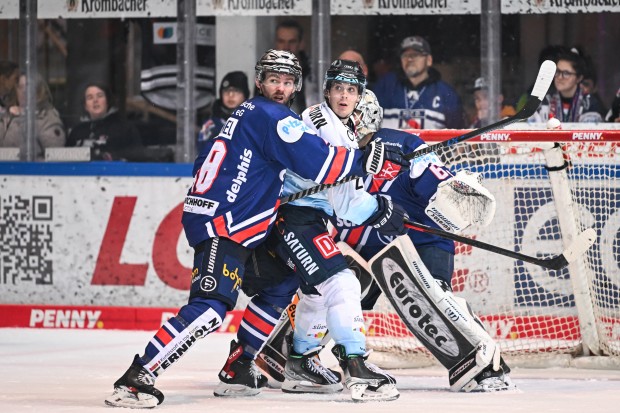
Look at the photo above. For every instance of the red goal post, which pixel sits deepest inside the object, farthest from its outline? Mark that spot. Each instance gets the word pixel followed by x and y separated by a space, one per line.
pixel 549 186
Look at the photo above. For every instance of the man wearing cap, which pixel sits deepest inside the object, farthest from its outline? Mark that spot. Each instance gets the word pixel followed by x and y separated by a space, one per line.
pixel 481 101
pixel 233 91
pixel 415 96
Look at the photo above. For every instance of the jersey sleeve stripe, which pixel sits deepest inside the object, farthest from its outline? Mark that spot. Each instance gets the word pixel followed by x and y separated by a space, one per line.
pixel 326 164
pixel 242 236
pixel 347 169
pixel 337 166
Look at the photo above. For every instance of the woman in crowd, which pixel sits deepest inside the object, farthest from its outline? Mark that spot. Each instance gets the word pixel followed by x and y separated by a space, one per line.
pixel 110 136
pixel 49 129
pixel 568 102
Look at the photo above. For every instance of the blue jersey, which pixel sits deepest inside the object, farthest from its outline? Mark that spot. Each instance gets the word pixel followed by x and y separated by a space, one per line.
pixel 432 105
pixel 412 191
pixel 238 176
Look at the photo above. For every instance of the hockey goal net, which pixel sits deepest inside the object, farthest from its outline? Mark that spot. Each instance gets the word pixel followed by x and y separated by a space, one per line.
pixel 549 186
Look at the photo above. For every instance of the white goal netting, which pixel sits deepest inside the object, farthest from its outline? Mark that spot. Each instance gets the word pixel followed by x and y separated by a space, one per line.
pixel 532 311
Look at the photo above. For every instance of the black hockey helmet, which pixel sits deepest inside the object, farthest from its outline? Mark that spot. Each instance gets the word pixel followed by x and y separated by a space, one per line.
pixel 346 71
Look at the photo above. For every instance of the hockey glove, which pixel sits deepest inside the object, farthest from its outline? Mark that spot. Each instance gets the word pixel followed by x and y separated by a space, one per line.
pixel 461 201
pixel 383 161
pixel 389 218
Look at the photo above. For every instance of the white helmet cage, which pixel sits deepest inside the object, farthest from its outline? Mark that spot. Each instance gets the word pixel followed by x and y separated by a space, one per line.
pixel 279 61
pixel 369 114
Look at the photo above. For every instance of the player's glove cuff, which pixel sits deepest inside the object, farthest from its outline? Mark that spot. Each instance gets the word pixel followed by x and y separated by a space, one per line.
pixel 384 161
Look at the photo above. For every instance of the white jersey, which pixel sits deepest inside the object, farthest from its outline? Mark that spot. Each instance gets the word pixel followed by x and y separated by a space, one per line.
pixel 348 201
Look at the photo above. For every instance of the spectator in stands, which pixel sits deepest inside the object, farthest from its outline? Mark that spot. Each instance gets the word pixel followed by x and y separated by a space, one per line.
pixel 589 83
pixel 550 52
pixel 481 101
pixel 614 111
pixel 110 136
pixel 9 75
pixel 415 96
pixel 233 91
pixel 355 56
pixel 290 37
pixel 49 130
pixel 568 103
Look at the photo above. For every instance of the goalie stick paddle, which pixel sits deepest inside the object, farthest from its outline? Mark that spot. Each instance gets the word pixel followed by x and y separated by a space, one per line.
pixel 543 81
pixel 580 245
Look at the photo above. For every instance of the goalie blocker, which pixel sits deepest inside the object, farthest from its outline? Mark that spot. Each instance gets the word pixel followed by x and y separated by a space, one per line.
pixel 442 322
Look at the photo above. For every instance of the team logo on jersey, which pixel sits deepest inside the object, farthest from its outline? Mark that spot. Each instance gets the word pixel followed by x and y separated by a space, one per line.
pixel 290 129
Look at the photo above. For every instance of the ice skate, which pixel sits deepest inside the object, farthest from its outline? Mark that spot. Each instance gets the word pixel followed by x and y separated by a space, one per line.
pixel 304 373
pixel 135 389
pixel 366 381
pixel 492 381
pixel 239 377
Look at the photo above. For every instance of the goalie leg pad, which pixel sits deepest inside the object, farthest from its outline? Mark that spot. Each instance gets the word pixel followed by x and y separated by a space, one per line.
pixel 433 315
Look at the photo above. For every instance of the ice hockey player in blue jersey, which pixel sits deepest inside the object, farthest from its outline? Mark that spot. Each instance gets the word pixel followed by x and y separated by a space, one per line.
pixel 330 291
pixel 231 208
pixel 428 195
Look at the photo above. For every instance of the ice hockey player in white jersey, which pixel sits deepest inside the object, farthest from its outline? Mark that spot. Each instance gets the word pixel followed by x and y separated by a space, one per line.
pixel 335 306
pixel 231 208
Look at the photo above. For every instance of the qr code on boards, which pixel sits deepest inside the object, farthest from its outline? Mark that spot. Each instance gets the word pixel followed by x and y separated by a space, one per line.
pixel 26 245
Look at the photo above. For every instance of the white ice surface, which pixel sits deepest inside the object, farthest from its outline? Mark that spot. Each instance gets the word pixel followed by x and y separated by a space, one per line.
pixel 73 371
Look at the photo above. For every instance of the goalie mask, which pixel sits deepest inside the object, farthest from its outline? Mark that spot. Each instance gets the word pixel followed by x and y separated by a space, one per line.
pixel 368 115
pixel 345 71
pixel 279 61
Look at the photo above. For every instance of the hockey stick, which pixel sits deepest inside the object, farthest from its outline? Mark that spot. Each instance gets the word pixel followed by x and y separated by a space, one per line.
pixel 543 81
pixel 580 245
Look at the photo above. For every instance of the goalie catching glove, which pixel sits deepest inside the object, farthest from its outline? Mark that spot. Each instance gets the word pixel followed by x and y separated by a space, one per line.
pixel 384 162
pixel 461 201
pixel 389 218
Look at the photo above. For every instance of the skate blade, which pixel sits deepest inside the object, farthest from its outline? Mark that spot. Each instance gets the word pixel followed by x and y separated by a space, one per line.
pixel 122 397
pixel 495 385
pixel 385 393
pixel 234 390
pixel 495 389
pixel 294 386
